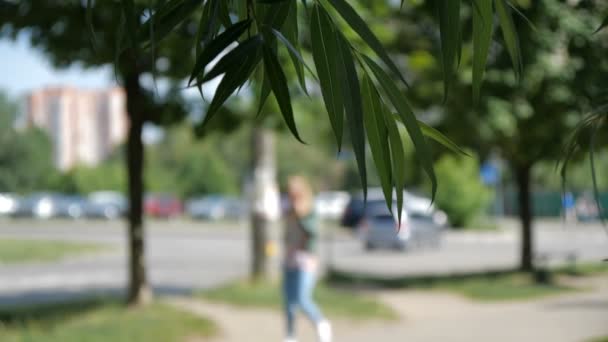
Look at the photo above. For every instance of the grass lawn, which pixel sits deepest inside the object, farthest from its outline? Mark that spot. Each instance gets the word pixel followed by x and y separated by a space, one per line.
pixel 335 302
pixel 490 286
pixel 17 251
pixel 514 286
pixel 599 339
pixel 101 322
pixel 583 270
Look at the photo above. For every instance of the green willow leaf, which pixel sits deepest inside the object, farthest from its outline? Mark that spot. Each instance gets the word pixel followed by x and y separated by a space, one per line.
pixel 278 83
pixel 482 38
pixel 325 56
pixel 131 20
pixel 166 19
pixel 423 151
pixel 216 46
pixel 439 137
pixel 449 25
pixel 603 25
pixel 596 192
pixel 353 107
pixel 234 57
pixel 397 158
pixel 208 24
pixel 234 78
pixel 275 15
pixel 224 14
pixel 348 13
pixel 297 58
pixel 291 41
pixel 510 35
pixel 90 26
pixel 377 135
pixel 264 93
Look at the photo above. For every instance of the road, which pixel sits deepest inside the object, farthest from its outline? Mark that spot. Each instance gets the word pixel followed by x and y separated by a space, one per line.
pixel 184 255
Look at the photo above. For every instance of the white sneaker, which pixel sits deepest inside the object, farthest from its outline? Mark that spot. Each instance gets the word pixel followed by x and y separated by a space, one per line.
pixel 324 331
pixel 290 339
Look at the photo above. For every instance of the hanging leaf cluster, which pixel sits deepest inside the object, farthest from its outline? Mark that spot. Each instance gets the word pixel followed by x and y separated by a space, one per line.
pixel 363 93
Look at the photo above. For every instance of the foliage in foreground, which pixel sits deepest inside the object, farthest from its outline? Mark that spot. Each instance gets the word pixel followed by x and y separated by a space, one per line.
pixel 98 321
pixel 17 251
pixel 336 302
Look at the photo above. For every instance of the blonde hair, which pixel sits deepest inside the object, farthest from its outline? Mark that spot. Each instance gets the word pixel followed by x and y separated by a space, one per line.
pixel 300 194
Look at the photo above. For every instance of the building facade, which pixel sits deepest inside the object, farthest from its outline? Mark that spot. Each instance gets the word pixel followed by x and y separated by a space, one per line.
pixel 85 126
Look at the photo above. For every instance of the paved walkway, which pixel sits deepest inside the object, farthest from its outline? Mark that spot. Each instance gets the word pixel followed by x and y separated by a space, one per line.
pixel 434 316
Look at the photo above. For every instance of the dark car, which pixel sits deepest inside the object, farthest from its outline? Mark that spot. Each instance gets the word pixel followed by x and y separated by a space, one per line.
pixel 162 206
pixel 40 205
pixel 356 208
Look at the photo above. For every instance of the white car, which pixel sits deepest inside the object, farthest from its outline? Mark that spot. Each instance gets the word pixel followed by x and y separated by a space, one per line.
pixel 9 204
pixel 331 204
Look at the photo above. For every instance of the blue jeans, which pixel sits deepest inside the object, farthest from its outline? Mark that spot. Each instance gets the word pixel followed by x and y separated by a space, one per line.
pixel 298 286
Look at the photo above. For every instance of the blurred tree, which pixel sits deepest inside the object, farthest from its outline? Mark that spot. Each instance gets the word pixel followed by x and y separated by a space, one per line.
pixel 176 165
pixel 26 162
pixel 58 28
pixel 461 194
pixel 109 175
pixel 528 119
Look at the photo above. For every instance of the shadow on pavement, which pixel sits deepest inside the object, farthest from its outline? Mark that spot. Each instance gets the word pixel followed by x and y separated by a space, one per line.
pixel 56 297
pixel 359 280
pixel 584 303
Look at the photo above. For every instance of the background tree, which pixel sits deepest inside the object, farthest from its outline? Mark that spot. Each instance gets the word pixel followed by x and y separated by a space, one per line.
pixel 57 28
pixel 26 162
pixel 528 119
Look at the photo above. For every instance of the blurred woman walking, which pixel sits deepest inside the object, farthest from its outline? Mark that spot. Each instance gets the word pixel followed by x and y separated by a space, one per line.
pixel 301 262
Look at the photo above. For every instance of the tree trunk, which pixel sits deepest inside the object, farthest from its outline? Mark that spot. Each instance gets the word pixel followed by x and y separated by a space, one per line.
pixel 522 173
pixel 139 292
pixel 263 202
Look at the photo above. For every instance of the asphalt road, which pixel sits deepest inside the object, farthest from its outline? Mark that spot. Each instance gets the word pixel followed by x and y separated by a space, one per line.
pixel 185 255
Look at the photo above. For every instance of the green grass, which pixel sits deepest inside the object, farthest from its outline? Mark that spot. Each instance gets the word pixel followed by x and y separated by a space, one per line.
pixel 516 286
pixel 488 286
pixel 18 251
pixel 599 339
pixel 583 270
pixel 333 301
pixel 100 322
pixel 482 223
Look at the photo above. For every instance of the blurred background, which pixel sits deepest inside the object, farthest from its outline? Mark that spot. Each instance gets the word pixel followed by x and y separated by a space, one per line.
pixel 502 253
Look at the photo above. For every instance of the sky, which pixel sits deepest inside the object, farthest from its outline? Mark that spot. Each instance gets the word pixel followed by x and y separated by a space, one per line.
pixel 23 68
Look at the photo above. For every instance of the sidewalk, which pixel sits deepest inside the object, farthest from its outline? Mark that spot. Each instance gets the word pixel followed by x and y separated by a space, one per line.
pixel 433 316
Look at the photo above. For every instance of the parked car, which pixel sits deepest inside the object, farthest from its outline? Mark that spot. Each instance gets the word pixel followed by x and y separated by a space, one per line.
pixel 71 206
pixel 586 208
pixel 216 207
pixel 106 205
pixel 331 205
pixel 162 206
pixel 8 204
pixel 39 205
pixel 413 203
pixel 379 229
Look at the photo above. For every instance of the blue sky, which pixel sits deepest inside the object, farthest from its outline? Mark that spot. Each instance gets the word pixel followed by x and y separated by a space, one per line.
pixel 23 68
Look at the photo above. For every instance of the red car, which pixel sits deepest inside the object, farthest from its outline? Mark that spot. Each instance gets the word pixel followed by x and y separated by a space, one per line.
pixel 162 206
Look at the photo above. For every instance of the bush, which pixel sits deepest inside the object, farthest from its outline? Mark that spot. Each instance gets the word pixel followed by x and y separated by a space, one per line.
pixel 460 192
